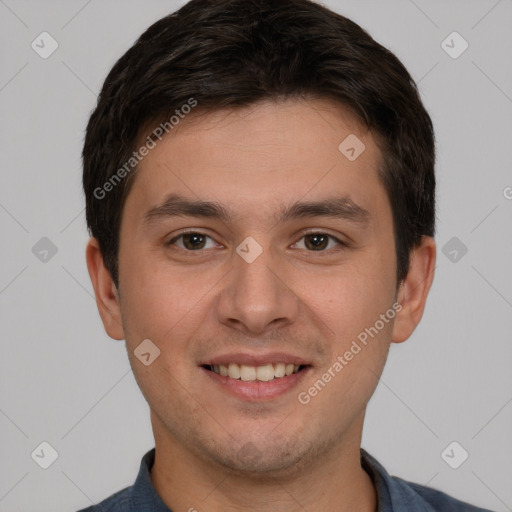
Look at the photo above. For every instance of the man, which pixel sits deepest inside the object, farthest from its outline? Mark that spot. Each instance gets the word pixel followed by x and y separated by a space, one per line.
pixel 259 181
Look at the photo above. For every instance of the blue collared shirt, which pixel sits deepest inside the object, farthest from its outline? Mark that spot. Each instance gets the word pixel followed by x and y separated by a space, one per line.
pixel 393 493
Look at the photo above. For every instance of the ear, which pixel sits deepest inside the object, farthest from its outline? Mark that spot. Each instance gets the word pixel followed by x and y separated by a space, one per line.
pixel 107 296
pixel 413 291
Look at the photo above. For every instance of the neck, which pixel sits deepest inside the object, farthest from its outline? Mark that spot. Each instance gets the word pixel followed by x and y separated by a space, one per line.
pixel 334 481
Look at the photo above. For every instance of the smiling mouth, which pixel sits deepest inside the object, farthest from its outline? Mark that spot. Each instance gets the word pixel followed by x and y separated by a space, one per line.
pixel 247 373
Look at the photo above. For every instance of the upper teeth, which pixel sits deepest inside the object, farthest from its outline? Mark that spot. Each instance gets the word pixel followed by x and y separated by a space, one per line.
pixel 265 373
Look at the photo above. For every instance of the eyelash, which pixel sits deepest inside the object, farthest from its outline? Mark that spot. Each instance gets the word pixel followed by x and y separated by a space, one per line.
pixel 341 243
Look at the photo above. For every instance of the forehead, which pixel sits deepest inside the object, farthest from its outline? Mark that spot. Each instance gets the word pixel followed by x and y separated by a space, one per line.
pixel 258 157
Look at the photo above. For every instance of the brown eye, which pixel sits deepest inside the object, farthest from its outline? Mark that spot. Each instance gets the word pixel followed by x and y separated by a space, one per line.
pixel 318 242
pixel 192 241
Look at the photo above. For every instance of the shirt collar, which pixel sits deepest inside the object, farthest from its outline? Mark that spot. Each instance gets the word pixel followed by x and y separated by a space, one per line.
pixel 393 494
pixel 144 492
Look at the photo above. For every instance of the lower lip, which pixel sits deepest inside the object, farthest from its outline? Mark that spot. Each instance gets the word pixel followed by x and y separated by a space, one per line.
pixel 257 390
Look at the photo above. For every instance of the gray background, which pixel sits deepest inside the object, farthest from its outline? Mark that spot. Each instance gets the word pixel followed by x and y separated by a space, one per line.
pixel 65 382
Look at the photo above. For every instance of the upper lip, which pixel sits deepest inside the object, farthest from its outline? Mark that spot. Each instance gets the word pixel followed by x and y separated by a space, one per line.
pixel 255 359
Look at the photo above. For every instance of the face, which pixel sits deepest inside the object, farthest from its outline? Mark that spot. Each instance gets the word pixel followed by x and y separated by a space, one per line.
pixel 290 261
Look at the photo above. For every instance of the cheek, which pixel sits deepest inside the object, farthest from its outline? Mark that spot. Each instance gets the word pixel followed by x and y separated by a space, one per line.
pixel 349 299
pixel 167 307
pixel 162 303
pixel 358 341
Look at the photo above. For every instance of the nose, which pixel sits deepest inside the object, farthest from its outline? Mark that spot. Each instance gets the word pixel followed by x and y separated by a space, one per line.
pixel 256 297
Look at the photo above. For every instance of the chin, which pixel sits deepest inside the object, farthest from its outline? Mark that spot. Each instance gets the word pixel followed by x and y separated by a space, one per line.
pixel 280 458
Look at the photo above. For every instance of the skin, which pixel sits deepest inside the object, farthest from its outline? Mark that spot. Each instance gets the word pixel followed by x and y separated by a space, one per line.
pixel 215 451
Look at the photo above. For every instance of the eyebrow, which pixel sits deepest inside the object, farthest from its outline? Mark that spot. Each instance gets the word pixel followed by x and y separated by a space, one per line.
pixel 175 205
